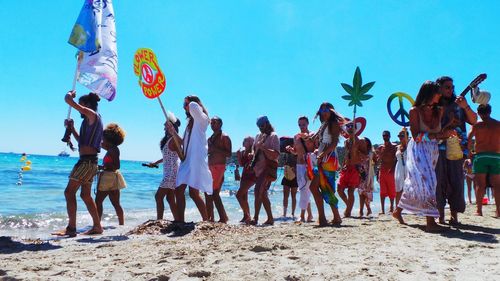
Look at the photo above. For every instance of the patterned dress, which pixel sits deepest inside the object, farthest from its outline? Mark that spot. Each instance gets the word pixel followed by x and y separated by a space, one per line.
pixel 367 173
pixel 419 190
pixel 327 170
pixel 170 167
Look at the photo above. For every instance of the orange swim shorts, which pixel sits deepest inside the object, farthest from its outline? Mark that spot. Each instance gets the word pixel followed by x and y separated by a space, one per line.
pixel 387 183
pixel 349 177
pixel 217 175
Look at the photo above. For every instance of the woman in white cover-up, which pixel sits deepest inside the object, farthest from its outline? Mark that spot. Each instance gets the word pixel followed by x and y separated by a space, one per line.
pixel 193 170
pixel 419 192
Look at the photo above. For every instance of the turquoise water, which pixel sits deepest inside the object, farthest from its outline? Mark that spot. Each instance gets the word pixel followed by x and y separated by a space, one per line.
pixel 37 207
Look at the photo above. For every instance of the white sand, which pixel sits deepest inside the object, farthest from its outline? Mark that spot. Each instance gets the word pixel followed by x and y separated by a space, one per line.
pixel 362 249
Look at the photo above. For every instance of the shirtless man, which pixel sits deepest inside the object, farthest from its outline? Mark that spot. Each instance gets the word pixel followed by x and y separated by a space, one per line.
pixel 487 157
pixel 219 149
pixel 387 156
pixel 349 176
pixel 301 146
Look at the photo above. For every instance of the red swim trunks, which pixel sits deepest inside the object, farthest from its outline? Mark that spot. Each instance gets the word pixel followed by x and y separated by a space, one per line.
pixel 217 175
pixel 387 183
pixel 349 177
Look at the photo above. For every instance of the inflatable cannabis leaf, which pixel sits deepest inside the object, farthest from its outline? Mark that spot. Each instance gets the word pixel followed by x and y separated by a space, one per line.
pixel 357 92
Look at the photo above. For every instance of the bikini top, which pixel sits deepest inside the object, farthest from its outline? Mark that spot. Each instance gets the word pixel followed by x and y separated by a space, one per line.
pixel 425 128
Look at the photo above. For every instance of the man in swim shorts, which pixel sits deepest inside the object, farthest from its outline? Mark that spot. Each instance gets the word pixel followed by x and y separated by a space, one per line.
pixel 387 155
pixel 350 178
pixel 487 157
pixel 219 149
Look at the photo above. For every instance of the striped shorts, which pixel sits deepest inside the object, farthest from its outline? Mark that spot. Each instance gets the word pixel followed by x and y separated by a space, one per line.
pixel 84 170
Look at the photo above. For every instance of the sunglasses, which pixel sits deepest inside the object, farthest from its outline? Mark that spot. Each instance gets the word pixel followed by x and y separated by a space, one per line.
pixel 401 136
pixel 323 110
pixel 385 136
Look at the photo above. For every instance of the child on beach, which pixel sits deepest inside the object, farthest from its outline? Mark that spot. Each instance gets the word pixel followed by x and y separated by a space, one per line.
pixel 170 162
pixel 110 179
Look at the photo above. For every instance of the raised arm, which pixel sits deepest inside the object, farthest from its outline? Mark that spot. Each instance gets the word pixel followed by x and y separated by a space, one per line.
pixel 197 112
pixel 89 113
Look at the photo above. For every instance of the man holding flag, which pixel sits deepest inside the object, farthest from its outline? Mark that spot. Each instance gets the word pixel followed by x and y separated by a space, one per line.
pixel 95 37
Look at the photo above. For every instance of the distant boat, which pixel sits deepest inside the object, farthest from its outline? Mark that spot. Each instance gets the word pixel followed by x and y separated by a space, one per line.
pixel 63 154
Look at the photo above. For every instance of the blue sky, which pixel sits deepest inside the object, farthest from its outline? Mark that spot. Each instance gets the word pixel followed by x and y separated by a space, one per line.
pixel 244 59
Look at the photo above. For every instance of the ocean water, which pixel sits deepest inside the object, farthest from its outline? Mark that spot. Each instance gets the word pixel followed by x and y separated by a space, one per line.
pixel 37 207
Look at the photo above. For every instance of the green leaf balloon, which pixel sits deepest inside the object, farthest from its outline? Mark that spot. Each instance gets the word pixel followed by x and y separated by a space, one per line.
pixel 357 92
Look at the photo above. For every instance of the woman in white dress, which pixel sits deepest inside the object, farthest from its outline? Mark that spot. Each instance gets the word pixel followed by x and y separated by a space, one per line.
pixel 193 170
pixel 419 191
pixel 400 172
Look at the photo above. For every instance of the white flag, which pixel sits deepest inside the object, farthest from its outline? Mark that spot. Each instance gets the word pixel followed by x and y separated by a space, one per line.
pixel 98 70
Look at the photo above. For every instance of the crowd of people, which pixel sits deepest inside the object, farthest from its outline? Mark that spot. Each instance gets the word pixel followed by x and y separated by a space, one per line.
pixel 420 174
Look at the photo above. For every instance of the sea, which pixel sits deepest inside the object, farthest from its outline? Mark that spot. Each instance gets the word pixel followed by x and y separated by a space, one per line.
pixel 32 203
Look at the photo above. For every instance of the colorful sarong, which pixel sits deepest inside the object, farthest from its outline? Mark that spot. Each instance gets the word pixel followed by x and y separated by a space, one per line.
pixel 327 171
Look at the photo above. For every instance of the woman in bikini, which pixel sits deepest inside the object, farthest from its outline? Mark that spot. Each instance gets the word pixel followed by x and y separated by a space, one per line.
pixel 323 183
pixel 248 179
pixel 419 191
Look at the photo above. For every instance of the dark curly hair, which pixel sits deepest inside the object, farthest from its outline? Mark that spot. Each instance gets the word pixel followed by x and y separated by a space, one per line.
pixel 114 134
pixel 90 100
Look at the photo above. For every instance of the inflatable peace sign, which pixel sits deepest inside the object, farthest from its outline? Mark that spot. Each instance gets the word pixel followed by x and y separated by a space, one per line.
pixel 401 117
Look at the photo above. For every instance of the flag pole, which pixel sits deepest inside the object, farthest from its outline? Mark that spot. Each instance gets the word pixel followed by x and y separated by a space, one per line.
pixel 73 87
pixel 67 133
pixel 177 144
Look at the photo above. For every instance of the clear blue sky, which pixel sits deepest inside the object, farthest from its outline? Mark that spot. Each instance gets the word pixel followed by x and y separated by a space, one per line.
pixel 244 59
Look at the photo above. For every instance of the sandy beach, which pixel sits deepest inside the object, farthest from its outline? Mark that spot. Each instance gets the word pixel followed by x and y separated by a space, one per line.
pixel 361 249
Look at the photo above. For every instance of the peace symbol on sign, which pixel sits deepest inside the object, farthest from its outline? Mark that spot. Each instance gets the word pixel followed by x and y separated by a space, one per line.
pixel 401 117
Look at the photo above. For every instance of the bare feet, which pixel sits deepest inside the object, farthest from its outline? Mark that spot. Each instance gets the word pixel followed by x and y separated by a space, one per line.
pixel 435 228
pixel 397 215
pixel 479 213
pixel 310 219
pixel 381 213
pixel 224 220
pixel 337 222
pixel 453 222
pixel 361 214
pixel 269 222
pixel 94 231
pixel 369 212
pixel 69 231
pixel 322 223
pixel 441 220
pixel 253 222
pixel 347 215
